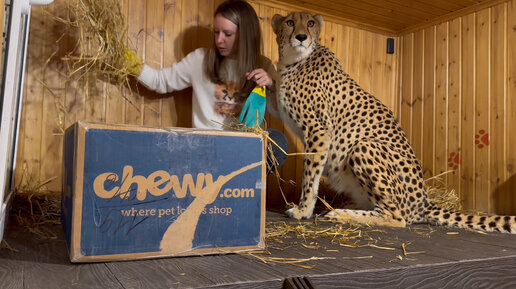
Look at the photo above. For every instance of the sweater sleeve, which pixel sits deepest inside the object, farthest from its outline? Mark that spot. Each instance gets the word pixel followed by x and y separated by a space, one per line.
pixel 176 77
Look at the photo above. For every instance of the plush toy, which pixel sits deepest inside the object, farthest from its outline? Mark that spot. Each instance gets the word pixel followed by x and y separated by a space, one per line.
pixel 254 108
pixel 133 64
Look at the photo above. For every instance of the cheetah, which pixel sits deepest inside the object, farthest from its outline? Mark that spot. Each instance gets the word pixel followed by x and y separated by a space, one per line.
pixel 353 139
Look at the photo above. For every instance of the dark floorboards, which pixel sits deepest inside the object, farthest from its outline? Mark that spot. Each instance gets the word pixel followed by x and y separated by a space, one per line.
pixel 446 258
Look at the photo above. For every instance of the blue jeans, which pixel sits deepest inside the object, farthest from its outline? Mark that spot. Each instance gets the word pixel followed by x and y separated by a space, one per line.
pixel 281 140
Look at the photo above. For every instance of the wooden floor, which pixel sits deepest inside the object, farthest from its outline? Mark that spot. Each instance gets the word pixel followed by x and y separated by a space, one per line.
pixel 446 258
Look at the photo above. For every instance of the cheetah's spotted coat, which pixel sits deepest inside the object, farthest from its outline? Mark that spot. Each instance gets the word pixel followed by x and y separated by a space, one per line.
pixel 358 142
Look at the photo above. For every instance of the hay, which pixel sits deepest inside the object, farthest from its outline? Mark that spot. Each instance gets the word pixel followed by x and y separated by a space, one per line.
pixel 315 234
pixel 441 195
pixel 103 49
pixel 103 42
pixel 282 235
pixel 34 206
pixel 342 232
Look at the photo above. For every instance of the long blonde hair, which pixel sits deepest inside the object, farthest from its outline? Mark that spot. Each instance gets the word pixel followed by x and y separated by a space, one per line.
pixel 244 17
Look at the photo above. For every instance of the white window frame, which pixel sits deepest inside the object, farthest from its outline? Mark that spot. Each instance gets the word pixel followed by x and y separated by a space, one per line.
pixel 13 72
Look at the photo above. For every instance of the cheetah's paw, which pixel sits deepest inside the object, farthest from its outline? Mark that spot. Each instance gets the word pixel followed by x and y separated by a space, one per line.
pixel 297 213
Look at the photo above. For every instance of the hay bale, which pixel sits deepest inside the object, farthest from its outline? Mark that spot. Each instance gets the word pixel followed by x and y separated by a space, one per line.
pixel 103 47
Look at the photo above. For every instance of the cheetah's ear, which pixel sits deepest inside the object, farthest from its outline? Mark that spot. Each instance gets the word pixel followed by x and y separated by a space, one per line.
pixel 276 22
pixel 319 19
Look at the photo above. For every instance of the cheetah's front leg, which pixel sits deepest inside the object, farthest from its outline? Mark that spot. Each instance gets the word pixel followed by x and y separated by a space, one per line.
pixel 316 149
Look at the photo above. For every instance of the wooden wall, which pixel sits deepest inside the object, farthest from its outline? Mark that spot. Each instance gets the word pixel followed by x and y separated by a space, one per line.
pixel 453 86
pixel 456 97
pixel 162 32
pixel 458 104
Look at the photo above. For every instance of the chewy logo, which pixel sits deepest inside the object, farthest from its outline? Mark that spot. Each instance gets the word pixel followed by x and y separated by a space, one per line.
pixel 158 183
pixel 237 193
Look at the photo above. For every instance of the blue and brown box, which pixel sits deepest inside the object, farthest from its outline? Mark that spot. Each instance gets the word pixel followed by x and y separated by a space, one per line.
pixel 132 192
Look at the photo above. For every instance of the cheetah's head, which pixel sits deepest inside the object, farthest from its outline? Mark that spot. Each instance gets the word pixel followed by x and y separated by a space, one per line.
pixel 297 35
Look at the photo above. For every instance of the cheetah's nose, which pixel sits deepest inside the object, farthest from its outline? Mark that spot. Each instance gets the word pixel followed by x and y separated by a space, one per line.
pixel 301 37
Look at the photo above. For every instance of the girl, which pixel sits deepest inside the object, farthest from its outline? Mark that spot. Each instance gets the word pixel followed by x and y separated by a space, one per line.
pixel 223 77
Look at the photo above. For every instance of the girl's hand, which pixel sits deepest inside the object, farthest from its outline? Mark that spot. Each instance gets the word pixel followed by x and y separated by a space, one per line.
pixel 260 77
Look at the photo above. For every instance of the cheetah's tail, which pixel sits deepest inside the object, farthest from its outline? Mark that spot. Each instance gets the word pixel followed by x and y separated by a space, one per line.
pixel 491 223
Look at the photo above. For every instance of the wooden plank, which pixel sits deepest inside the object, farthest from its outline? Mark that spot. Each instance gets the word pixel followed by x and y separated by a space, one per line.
pixel 407 83
pixel 114 96
pixel 205 27
pixel 381 76
pixel 52 97
pixel 472 274
pixel 154 57
pixel 136 35
pixel 509 198
pixel 438 244
pixel 44 263
pixel 381 70
pixel 482 110
pixel 189 33
pixel 392 63
pixel 384 71
pixel 388 242
pixel 441 99
pixel 189 25
pixel 421 6
pixel 278 284
pixel 456 244
pixel 390 9
pixel 496 239
pixel 192 271
pixel 354 62
pixel 115 103
pixel 454 91
pixel 94 99
pixel 348 17
pixel 497 130
pixel 172 53
pixel 382 251
pixel 364 60
pixel 343 46
pixel 154 30
pixel 323 39
pixel 428 150
pixel 11 269
pixel 358 11
pixel 468 112
pixel 407 13
pixel 398 16
pixel 40 271
pixel 175 36
pixel 171 31
pixel 450 16
pixel 29 153
pixel 379 248
pixel 216 3
pixel 449 6
pixel 417 94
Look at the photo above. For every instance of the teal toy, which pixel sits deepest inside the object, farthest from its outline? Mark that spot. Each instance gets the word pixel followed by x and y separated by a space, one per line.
pixel 254 108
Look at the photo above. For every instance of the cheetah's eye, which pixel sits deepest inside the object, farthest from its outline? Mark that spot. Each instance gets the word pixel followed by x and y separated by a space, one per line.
pixel 311 23
pixel 290 23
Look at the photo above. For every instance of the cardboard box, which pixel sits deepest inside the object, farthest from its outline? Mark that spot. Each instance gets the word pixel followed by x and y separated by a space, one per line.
pixel 134 192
